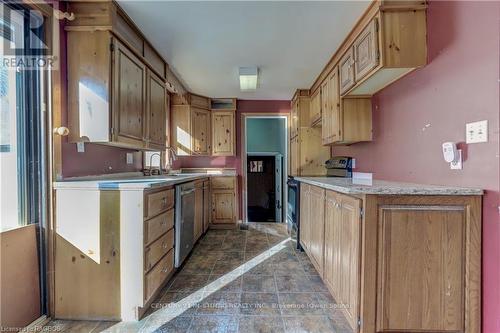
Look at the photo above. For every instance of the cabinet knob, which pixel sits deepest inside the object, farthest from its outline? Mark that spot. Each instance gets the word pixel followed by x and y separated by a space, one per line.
pixel 62 131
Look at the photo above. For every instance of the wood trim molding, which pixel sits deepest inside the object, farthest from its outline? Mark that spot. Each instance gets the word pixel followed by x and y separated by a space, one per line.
pixel 243 140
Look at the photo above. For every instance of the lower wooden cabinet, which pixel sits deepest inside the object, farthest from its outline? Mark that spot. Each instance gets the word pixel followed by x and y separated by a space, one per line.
pixel 397 263
pixel 206 205
pixel 305 212
pixel 224 206
pixel 317 231
pixel 113 251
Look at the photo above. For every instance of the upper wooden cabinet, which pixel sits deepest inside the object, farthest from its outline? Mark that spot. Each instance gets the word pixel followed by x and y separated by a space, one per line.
pixel 345 120
pixel 114 98
pixel 346 66
pixel 106 15
pixel 366 51
pixel 201 127
pixel 316 108
pixel 223 133
pixel 388 42
pixel 191 125
pixel 158 110
pixel 300 116
pixel 129 97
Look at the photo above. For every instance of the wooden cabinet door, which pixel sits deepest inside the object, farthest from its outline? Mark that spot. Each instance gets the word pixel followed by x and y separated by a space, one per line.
pixel 223 133
pixel 304 232
pixel 198 212
pixel 294 156
pixel 421 263
pixel 349 251
pixel 315 108
pixel 326 114
pixel 157 112
pixel 316 227
pixel 129 98
pixel 335 119
pixel 366 50
pixel 206 205
pixel 200 131
pixel 331 271
pixel 294 121
pixel 346 69
pixel 223 206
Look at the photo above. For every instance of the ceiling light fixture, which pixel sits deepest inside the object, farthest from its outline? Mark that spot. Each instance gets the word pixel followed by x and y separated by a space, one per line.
pixel 248 78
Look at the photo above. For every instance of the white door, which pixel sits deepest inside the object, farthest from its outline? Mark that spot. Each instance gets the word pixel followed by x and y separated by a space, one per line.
pixel 278 165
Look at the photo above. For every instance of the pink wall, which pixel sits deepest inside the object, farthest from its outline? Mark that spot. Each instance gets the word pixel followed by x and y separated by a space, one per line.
pixel 244 106
pixel 416 114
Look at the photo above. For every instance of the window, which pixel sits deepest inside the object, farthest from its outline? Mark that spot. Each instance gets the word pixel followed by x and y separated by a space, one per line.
pixel 21 118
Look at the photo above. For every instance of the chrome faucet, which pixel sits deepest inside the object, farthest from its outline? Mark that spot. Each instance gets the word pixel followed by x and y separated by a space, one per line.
pixel 151 163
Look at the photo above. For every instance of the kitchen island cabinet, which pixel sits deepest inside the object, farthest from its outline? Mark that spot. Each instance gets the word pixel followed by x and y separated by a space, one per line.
pixel 397 257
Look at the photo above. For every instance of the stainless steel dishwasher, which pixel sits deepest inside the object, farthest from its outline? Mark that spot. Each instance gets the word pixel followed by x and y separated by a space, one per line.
pixel 184 221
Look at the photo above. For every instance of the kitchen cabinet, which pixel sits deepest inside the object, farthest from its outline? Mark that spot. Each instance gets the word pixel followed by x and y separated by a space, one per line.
pixel 388 41
pixel 223 133
pixel 294 156
pixel 307 155
pixel 158 111
pixel 116 80
pixel 346 69
pixel 200 120
pixel 315 108
pixel 366 52
pixel 224 206
pixel 316 230
pixel 191 125
pixel 305 213
pixel 402 263
pixel 114 251
pixel 129 97
pixel 345 120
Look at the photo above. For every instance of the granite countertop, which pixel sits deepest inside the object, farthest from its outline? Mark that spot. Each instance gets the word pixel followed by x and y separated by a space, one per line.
pixel 136 181
pixel 382 187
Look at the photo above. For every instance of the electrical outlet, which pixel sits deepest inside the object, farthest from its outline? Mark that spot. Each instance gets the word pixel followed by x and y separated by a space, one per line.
pixel 353 163
pixel 476 132
pixel 457 165
pixel 80 147
pixel 130 158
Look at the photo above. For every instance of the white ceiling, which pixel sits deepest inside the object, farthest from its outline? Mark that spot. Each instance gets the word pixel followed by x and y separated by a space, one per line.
pixel 206 42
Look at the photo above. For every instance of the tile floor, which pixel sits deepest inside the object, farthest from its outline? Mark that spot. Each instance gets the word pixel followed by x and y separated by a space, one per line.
pixel 237 281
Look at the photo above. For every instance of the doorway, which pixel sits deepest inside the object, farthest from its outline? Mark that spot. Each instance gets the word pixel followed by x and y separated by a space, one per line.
pixel 264 162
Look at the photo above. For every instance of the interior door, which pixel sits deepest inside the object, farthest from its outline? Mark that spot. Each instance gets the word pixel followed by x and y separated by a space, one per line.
pixel 278 166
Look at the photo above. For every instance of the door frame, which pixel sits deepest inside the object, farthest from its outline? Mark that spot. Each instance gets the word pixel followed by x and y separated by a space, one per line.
pixel 244 189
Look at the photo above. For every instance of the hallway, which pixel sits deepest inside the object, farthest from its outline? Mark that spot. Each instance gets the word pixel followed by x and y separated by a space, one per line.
pixel 239 281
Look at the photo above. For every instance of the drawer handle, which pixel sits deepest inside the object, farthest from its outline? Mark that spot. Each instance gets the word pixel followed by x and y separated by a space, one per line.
pixel 165 245
pixel 165 270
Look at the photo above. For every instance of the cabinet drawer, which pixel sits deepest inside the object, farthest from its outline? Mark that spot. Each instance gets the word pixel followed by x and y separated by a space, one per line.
pixel 158 202
pixel 155 278
pixel 158 226
pixel 155 251
pixel 222 183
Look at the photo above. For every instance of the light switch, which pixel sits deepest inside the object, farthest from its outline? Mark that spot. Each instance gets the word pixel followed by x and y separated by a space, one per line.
pixel 130 158
pixel 476 132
